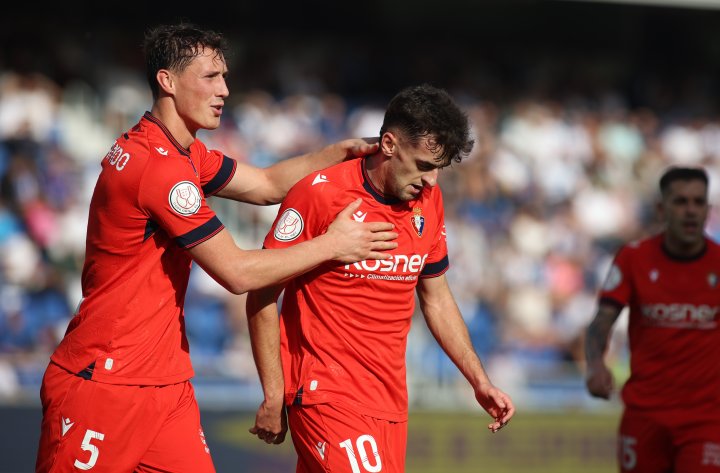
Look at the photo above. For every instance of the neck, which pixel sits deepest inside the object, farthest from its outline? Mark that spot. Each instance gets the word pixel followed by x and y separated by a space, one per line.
pixel 163 109
pixel 682 249
pixel 376 166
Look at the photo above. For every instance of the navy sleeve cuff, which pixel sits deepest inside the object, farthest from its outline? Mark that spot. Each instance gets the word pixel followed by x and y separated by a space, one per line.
pixel 433 270
pixel 200 234
pixel 221 179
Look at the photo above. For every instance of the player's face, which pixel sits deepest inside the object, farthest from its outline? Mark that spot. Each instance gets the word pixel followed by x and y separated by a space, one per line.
pixel 412 168
pixel 685 210
pixel 201 91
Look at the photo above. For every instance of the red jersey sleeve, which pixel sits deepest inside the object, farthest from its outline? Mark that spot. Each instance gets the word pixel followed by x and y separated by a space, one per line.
pixel 174 201
pixel 214 169
pixel 617 287
pixel 437 261
pixel 302 216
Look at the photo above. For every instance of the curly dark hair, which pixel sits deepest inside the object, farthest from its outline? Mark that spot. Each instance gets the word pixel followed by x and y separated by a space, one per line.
pixel 175 46
pixel 425 110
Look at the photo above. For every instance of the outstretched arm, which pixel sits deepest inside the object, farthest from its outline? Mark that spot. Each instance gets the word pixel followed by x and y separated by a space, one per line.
pixel 599 380
pixel 270 420
pixel 448 327
pixel 269 185
pixel 345 241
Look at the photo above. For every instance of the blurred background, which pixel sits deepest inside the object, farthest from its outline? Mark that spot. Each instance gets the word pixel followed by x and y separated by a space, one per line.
pixel 577 107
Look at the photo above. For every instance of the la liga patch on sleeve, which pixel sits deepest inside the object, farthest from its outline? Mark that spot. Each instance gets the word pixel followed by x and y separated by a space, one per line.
pixel 289 226
pixel 185 198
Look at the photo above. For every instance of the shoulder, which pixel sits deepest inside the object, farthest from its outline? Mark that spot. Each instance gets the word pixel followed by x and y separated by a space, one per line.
pixel 642 245
pixel 328 182
pixel 713 248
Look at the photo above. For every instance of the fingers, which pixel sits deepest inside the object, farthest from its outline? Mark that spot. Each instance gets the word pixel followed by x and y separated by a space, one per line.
pixel 600 388
pixel 365 149
pixel 268 436
pixel 383 241
pixel 497 425
pixel 351 208
pixel 378 227
pixel 377 255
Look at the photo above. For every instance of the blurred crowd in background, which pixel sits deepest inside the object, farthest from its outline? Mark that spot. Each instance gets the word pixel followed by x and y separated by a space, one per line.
pixel 555 183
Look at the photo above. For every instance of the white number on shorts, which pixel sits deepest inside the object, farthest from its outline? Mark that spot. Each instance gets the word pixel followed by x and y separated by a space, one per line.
pixel 360 445
pixel 628 456
pixel 88 447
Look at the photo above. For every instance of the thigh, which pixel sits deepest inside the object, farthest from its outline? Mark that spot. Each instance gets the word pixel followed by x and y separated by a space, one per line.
pixel 697 443
pixel 644 444
pixel 180 445
pixel 330 438
pixel 92 426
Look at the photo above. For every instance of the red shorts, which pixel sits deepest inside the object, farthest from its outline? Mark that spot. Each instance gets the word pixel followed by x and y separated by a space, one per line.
pixel 331 438
pixel 681 441
pixel 102 427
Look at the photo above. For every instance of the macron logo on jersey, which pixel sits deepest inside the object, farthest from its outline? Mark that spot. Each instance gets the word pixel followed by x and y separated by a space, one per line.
pixel 359 216
pixel 320 178
pixel 161 150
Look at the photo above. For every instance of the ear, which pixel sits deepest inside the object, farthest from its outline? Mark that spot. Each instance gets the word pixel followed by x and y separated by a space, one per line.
pixel 166 81
pixel 660 210
pixel 388 143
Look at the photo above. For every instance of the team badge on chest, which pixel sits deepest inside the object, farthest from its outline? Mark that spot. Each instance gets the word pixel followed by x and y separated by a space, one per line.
pixel 418 221
pixel 712 280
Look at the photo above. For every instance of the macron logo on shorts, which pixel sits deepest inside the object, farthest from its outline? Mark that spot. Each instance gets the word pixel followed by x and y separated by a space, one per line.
pixel 66 424
pixel 320 447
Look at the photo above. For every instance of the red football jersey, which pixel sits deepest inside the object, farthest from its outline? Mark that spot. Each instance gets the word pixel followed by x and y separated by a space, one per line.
pixel 344 327
pixel 673 328
pixel 147 208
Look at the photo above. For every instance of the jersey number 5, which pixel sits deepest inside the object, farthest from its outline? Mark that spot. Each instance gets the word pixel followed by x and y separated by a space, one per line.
pixel 628 456
pixel 89 447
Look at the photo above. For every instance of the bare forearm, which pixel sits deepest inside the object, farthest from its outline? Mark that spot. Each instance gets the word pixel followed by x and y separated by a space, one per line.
pixel 448 327
pixel 452 336
pixel 598 334
pixel 240 270
pixel 286 173
pixel 264 332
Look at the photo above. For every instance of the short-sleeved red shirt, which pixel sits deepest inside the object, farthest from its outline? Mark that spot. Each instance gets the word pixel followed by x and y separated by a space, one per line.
pixel 147 208
pixel 344 327
pixel 674 325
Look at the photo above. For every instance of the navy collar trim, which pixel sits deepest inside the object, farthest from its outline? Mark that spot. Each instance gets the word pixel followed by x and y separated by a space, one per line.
pixel 374 191
pixel 148 116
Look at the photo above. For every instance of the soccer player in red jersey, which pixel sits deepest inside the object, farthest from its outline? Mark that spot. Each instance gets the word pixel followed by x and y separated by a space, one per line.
pixel 343 329
pixel 671 283
pixel 116 394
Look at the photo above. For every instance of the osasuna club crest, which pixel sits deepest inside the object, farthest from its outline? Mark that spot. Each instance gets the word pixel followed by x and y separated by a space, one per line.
pixel 418 221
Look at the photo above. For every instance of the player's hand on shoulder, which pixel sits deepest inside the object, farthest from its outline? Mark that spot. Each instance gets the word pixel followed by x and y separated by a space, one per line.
pixel 354 241
pixel 359 147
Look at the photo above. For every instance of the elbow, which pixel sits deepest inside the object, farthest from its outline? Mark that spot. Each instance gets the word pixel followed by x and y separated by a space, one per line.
pixel 239 286
pixel 274 197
